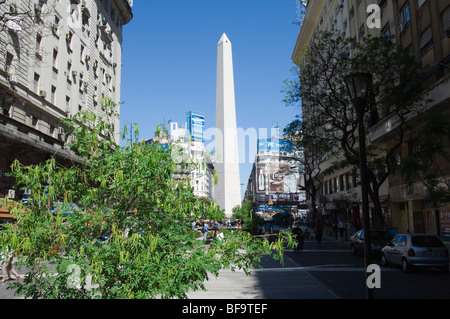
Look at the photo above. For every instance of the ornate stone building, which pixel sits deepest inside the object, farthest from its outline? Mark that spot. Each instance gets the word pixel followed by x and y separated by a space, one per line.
pixel 57 57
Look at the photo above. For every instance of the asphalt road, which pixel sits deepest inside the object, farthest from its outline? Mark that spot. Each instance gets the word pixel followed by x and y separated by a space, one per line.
pixel 326 272
pixel 344 274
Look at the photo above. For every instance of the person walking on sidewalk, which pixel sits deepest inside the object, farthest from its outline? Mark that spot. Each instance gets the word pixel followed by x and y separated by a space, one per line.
pixel 300 235
pixel 205 231
pixel 7 267
pixel 341 226
pixel 335 230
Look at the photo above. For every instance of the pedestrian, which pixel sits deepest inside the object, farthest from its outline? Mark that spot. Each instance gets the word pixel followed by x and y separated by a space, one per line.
pixel 7 267
pixel 341 227
pixel 216 229
pixel 335 230
pixel 302 238
pixel 205 231
pixel 318 232
pixel 297 232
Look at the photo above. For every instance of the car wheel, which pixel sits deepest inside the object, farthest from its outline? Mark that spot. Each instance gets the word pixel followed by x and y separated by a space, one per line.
pixel 384 261
pixel 406 267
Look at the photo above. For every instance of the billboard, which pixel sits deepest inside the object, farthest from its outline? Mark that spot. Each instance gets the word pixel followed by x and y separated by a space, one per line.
pixel 276 177
pixel 274 145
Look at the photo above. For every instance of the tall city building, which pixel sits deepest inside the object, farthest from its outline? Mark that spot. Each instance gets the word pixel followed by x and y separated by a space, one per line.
pixel 423 28
pixel 276 183
pixel 227 190
pixel 193 161
pixel 195 124
pixel 57 57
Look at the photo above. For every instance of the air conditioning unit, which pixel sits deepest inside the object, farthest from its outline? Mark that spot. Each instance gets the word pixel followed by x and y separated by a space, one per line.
pixel 60 131
pixel 74 73
pixel 12 78
pixel 42 93
pixel 68 37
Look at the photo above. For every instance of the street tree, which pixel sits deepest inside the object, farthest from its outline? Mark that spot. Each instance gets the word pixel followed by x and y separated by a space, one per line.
pixel 246 213
pixel 328 114
pixel 127 233
pixel 428 165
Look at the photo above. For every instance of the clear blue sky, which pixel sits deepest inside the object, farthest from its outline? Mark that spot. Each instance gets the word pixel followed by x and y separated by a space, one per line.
pixel 169 58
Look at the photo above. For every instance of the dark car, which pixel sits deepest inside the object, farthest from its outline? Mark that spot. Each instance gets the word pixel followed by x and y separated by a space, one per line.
pixel 378 239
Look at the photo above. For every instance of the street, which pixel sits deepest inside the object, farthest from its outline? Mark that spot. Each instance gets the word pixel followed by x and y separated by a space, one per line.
pixel 326 272
pixel 335 267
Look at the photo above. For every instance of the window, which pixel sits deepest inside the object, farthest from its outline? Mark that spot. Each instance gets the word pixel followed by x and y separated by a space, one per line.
pixel 420 2
pixel 81 53
pixel 404 14
pixel 39 46
pixel 362 30
pixel 445 21
pixel 53 95
pixel 426 41
pixel 34 121
pixel 386 31
pixel 9 67
pixel 403 241
pixel 55 60
pixel 67 104
pixel 36 83
pixel 69 37
pixel 54 27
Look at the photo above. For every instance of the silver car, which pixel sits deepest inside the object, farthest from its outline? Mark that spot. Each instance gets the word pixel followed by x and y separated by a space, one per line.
pixel 416 250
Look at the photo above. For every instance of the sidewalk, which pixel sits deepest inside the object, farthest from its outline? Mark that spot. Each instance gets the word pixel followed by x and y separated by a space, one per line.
pixel 274 281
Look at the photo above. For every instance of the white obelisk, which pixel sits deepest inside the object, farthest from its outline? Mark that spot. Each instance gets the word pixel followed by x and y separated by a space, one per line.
pixel 227 191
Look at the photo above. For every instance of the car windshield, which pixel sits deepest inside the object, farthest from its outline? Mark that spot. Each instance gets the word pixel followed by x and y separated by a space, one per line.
pixel 380 235
pixel 426 241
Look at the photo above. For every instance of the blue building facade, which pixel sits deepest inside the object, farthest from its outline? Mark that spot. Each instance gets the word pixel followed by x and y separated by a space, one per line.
pixel 195 122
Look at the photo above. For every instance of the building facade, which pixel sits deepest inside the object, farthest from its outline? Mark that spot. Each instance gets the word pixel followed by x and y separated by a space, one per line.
pixel 422 27
pixel 275 183
pixel 196 166
pixel 57 57
pixel 196 126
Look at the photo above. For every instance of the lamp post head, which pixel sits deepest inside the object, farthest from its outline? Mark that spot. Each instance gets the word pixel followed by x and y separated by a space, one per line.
pixel 359 86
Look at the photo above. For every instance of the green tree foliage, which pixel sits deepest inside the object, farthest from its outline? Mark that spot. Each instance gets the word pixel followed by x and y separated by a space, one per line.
pixel 427 164
pixel 245 213
pixel 130 236
pixel 329 120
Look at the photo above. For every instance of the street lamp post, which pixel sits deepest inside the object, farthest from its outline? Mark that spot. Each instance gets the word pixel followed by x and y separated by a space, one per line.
pixel 359 86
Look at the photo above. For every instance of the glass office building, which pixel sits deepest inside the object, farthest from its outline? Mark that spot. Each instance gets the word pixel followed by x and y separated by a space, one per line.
pixel 195 126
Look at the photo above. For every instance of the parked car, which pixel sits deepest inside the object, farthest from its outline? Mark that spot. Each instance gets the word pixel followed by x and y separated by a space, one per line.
pixel 378 239
pixel 416 250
